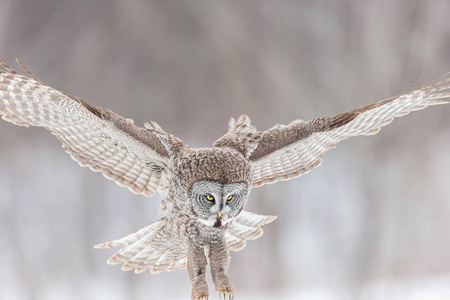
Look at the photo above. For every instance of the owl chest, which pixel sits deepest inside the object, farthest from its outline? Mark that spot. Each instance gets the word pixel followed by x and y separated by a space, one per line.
pixel 202 235
pixel 187 226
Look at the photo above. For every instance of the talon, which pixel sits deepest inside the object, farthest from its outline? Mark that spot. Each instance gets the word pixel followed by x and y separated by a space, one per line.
pixel 225 294
pixel 200 295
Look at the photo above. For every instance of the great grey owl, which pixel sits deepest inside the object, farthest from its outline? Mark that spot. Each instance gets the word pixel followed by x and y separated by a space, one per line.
pixel 205 189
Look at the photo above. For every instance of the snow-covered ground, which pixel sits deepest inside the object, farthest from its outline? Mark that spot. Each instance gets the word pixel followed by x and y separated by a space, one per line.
pixel 427 288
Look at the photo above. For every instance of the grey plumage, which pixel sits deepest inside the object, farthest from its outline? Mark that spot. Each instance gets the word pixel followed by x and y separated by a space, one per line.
pixel 205 189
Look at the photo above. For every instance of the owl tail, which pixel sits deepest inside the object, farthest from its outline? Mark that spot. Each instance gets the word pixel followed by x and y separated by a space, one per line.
pixel 155 247
pixel 158 248
pixel 246 226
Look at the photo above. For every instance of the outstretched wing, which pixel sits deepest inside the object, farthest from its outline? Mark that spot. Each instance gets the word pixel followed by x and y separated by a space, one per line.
pixel 286 152
pixel 95 137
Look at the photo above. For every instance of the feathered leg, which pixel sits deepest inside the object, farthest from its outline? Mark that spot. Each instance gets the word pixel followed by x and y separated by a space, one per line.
pixel 218 260
pixel 196 267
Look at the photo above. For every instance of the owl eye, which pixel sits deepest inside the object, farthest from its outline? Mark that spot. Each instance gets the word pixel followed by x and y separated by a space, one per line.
pixel 230 197
pixel 209 197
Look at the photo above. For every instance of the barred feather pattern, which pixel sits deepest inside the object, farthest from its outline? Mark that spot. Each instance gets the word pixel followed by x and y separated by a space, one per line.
pixel 91 141
pixel 159 248
pixel 303 155
pixel 156 247
pixel 246 226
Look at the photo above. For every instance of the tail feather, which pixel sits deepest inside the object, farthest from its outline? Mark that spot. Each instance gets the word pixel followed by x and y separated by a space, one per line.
pixel 134 262
pixel 179 264
pixel 253 220
pixel 157 246
pixel 132 237
pixel 233 243
pixel 134 245
pixel 149 262
pixel 246 226
pixel 167 260
pixel 244 232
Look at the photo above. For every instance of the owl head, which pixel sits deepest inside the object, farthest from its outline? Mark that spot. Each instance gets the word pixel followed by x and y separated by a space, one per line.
pixel 216 180
pixel 215 203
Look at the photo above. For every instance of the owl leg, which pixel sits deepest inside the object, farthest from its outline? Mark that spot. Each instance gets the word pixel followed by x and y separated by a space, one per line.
pixel 196 267
pixel 218 260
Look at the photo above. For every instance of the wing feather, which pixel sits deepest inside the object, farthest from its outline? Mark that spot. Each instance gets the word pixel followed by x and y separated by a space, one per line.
pixel 286 152
pixel 94 137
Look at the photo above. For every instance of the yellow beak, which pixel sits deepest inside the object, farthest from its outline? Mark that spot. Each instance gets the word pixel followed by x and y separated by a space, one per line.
pixel 219 215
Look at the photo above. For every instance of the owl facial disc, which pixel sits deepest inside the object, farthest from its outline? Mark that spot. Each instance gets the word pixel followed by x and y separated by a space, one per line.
pixel 215 204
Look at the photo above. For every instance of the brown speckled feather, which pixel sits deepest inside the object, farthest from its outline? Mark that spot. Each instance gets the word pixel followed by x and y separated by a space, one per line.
pixel 95 137
pixel 286 152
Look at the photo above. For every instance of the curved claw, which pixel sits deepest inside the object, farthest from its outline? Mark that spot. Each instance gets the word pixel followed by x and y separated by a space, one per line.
pixel 200 295
pixel 224 295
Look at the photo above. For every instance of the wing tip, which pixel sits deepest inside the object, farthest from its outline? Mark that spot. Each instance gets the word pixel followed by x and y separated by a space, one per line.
pixel 7 68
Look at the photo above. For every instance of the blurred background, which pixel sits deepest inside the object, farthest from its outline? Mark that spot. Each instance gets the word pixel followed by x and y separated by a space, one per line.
pixel 372 222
